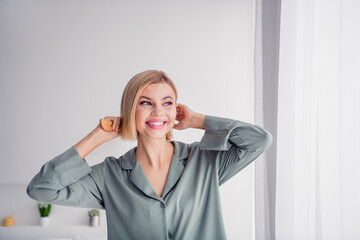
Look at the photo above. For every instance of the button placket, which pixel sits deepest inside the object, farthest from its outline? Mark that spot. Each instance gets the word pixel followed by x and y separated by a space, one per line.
pixel 165 230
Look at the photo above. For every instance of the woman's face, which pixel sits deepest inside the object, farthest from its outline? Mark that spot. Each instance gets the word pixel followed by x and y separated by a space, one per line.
pixel 155 111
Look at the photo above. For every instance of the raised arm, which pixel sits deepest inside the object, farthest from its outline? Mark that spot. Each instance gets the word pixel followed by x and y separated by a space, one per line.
pixel 68 180
pixel 234 144
pixel 231 143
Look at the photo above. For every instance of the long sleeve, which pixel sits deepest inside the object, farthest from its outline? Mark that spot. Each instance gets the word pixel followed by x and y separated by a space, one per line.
pixel 68 180
pixel 233 144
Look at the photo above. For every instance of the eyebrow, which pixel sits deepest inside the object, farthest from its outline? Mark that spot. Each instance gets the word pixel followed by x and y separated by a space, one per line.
pixel 151 99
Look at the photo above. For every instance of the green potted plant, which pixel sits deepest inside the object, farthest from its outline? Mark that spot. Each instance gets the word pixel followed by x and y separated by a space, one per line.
pixel 94 218
pixel 44 210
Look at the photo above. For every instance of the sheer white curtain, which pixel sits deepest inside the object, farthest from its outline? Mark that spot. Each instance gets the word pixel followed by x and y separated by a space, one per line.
pixel 318 133
pixel 266 56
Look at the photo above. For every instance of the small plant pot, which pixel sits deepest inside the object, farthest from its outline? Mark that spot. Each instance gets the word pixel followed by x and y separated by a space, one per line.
pixel 44 221
pixel 94 221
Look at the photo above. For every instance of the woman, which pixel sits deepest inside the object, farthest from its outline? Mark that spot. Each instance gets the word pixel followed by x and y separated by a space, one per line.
pixel 160 189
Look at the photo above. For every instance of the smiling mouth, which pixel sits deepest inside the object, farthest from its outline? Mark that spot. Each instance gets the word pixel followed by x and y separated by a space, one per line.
pixel 157 124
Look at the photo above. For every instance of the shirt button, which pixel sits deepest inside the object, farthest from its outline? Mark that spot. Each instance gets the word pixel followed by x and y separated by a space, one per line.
pixel 170 235
pixel 162 205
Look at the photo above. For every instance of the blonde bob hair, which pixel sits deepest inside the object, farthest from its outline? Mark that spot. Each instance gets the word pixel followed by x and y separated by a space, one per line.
pixel 131 97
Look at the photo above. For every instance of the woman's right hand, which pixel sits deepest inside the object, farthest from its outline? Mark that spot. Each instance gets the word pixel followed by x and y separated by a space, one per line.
pixel 115 128
pixel 115 122
pixel 97 137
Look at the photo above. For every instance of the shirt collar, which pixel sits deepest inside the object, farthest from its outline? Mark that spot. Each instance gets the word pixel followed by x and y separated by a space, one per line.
pixel 181 152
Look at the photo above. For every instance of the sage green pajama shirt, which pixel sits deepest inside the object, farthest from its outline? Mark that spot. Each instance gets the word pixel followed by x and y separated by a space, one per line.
pixel 189 208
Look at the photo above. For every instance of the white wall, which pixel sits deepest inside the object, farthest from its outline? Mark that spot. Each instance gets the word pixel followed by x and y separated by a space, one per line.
pixel 64 64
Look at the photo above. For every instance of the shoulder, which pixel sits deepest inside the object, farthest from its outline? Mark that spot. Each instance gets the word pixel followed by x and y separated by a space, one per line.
pixel 126 161
pixel 185 150
pixel 194 158
pixel 182 150
pixel 112 161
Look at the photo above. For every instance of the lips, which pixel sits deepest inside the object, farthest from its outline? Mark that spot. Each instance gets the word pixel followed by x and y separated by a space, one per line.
pixel 156 124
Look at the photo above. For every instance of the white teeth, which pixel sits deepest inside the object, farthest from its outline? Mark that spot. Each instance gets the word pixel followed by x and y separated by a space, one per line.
pixel 156 123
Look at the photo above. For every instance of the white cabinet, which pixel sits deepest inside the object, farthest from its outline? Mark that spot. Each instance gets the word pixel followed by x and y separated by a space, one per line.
pixel 53 233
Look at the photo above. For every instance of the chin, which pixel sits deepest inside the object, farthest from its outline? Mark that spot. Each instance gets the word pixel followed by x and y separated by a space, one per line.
pixel 156 135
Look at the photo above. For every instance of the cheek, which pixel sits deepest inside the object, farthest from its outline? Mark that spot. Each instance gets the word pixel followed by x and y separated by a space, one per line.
pixel 172 115
pixel 139 115
pixel 141 112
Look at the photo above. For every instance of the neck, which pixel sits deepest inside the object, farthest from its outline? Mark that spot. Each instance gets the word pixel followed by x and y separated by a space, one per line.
pixel 154 152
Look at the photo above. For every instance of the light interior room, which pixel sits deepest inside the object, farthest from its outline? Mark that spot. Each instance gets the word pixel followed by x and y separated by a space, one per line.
pixel 290 67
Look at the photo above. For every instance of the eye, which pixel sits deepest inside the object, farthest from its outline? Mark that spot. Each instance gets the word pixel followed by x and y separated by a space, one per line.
pixel 145 103
pixel 168 103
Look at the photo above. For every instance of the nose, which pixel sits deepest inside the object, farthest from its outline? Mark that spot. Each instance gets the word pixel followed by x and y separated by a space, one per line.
pixel 157 110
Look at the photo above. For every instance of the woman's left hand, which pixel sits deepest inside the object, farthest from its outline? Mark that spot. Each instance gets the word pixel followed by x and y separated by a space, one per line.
pixel 188 118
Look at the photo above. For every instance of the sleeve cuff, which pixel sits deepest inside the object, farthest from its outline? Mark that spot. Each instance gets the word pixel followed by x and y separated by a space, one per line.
pixel 217 132
pixel 70 166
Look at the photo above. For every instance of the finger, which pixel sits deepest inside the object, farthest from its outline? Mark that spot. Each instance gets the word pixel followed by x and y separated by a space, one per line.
pixel 180 116
pixel 117 124
pixel 114 125
pixel 178 107
pixel 179 113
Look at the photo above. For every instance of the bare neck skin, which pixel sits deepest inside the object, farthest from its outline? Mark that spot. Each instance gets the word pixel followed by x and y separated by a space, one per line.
pixel 154 153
